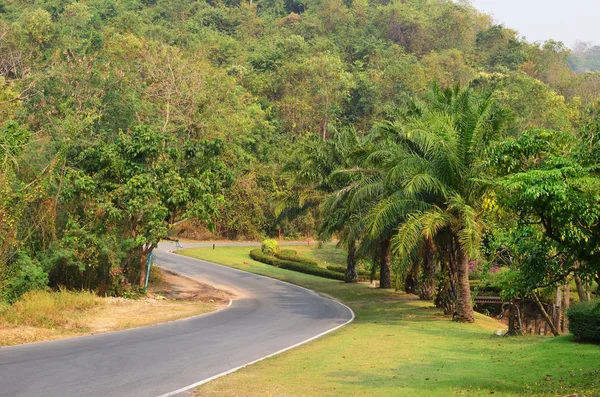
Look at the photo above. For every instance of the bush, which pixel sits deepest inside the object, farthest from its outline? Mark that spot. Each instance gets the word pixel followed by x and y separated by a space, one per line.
pixel 337 269
pixel 342 270
pixel 257 255
pixel 584 321
pixel 270 247
pixel 291 255
pixel 484 287
pixel 28 276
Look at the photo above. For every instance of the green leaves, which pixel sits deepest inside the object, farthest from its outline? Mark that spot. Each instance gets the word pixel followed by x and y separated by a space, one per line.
pixel 557 201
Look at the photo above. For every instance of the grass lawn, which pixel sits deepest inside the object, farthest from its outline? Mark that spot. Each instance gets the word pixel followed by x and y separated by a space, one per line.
pixel 398 346
pixel 327 255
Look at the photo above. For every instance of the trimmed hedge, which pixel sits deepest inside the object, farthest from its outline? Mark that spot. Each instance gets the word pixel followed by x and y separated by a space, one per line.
pixel 342 269
pixel 291 255
pixel 337 269
pixel 584 321
pixel 257 255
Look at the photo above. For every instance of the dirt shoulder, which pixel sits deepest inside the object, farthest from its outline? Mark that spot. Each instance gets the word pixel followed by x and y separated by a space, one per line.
pixel 172 297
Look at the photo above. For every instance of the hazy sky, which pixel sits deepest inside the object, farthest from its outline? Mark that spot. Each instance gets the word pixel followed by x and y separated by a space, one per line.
pixel 539 20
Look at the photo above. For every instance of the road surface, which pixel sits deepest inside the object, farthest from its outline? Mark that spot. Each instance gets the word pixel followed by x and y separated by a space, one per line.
pixel 169 359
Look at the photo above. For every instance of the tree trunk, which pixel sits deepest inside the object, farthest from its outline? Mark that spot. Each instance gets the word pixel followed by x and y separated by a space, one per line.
pixel 446 294
pixel 558 308
pixel 512 330
pixel 545 314
pixel 429 268
pixel 464 305
pixel 566 307
pixel 583 296
pixel 411 282
pixel 143 264
pixel 351 276
pixel 385 274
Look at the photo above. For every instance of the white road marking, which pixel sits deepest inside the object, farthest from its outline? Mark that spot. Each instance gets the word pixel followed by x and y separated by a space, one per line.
pixel 199 383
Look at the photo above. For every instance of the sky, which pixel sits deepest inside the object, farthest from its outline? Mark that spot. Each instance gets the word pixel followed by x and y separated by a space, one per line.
pixel 540 20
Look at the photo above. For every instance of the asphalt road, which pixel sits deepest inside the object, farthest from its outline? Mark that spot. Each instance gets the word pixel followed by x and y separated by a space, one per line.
pixel 164 359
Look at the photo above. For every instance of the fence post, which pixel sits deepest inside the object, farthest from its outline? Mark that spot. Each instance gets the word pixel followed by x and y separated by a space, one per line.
pixel 148 270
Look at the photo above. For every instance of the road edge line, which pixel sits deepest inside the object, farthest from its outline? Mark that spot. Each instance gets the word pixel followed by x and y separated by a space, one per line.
pixel 200 383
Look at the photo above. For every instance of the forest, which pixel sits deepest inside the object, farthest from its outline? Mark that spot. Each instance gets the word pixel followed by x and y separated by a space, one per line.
pixel 428 140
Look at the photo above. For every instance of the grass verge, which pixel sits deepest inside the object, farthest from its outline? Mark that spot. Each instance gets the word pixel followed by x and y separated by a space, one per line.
pixel 49 315
pixel 399 346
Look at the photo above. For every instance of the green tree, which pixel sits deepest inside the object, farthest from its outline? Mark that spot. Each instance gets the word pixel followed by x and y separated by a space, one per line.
pixel 143 183
pixel 436 166
pixel 553 189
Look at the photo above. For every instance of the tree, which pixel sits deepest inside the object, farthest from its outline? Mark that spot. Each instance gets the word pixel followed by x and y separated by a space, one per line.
pixel 339 215
pixel 314 181
pixel 435 165
pixel 141 184
pixel 552 186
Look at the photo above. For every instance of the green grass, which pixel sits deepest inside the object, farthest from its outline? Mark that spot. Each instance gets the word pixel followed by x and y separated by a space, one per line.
pixel 398 346
pixel 325 256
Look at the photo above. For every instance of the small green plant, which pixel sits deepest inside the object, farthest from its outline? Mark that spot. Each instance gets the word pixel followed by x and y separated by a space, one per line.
pixel 270 247
pixel 584 321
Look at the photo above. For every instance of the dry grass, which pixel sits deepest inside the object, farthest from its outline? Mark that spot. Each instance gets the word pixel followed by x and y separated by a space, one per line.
pixel 46 315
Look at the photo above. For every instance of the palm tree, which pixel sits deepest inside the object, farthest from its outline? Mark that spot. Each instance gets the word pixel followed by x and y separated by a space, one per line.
pixel 360 185
pixel 339 218
pixel 372 197
pixel 314 186
pixel 434 167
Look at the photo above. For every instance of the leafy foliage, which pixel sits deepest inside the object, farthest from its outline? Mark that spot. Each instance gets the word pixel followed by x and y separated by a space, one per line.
pixel 269 247
pixel 121 120
pixel 584 321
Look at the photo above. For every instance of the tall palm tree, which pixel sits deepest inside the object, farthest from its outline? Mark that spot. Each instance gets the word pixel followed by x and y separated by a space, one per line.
pixel 339 218
pixel 360 185
pixel 434 167
pixel 316 184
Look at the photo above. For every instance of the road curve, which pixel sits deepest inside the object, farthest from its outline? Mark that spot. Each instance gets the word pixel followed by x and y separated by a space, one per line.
pixel 168 359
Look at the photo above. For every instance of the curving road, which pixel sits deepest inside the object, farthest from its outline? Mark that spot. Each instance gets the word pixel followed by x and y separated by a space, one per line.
pixel 171 359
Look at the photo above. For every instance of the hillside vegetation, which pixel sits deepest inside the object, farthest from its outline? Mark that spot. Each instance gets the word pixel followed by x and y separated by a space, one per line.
pixel 125 122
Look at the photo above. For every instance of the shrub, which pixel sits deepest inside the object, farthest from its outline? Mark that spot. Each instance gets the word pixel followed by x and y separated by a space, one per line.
pixel 257 255
pixel 337 269
pixel 483 286
pixel 29 276
pixel 269 247
pixel 291 255
pixel 342 270
pixel 584 321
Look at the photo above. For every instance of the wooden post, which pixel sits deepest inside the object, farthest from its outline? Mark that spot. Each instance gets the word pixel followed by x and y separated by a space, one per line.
pixel 308 238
